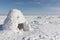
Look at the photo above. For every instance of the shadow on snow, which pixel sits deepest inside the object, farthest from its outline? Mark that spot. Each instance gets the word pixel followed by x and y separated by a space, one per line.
pixel 1 27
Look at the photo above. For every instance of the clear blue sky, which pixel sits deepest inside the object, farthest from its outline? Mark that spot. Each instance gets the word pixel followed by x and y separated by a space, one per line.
pixel 31 7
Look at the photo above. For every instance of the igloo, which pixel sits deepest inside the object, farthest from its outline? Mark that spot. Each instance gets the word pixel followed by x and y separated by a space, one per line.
pixel 15 20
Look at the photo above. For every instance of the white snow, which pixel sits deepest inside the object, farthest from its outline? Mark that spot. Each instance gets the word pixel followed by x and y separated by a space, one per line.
pixel 44 28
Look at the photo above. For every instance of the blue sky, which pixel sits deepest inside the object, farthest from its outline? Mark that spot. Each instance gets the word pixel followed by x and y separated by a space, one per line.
pixel 31 7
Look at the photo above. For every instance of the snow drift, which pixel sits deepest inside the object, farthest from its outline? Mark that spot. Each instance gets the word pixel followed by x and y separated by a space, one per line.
pixel 16 21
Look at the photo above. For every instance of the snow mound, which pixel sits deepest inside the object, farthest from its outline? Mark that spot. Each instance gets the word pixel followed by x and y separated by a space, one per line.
pixel 15 21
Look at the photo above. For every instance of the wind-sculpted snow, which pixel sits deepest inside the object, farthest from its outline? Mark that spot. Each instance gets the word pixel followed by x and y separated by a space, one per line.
pixel 44 28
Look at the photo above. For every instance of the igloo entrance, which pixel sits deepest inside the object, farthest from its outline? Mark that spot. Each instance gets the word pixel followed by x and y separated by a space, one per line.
pixel 20 26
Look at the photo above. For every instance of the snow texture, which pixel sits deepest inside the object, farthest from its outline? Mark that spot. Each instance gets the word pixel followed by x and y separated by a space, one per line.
pixel 44 28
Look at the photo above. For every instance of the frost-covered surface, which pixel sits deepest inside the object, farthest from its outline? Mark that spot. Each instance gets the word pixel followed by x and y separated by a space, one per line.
pixel 44 28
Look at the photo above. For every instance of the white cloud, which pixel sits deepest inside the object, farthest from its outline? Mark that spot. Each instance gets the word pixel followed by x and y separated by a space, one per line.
pixel 25 3
pixel 20 3
pixel 54 8
pixel 36 0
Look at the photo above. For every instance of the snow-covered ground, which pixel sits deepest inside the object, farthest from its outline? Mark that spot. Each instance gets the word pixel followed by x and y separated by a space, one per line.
pixel 44 28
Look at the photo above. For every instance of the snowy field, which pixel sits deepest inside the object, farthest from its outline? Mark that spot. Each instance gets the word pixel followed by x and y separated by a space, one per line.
pixel 44 28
